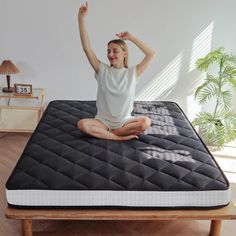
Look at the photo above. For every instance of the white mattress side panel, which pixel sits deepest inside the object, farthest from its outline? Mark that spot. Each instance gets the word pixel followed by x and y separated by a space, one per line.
pixel 118 198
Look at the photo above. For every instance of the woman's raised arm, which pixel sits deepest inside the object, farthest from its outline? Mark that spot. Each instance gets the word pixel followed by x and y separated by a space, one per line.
pixel 93 60
pixel 148 52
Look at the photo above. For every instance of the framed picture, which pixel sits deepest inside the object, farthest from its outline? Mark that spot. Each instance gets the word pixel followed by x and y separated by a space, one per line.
pixel 23 89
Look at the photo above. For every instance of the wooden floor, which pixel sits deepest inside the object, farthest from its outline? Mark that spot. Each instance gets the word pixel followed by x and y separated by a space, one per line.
pixel 11 146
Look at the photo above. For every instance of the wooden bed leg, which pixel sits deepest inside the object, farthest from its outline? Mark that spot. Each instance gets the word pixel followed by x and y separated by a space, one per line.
pixel 26 227
pixel 215 228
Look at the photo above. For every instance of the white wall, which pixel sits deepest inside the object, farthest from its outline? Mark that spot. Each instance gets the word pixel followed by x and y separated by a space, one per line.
pixel 41 37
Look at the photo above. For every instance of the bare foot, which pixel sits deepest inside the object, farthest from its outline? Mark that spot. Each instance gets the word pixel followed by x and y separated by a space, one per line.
pixel 128 137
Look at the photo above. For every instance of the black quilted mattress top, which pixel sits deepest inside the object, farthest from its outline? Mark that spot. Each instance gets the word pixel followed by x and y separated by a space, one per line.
pixel 169 157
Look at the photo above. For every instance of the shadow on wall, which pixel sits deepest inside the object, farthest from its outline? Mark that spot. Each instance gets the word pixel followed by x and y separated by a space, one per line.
pixel 180 76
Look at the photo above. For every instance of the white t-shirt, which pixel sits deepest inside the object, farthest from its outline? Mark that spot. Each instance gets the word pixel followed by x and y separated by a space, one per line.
pixel 116 92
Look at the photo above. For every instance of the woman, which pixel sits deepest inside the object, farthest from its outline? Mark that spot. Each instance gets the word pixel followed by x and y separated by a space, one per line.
pixel 116 87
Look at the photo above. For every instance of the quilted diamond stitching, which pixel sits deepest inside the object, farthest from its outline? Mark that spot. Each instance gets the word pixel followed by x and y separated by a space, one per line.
pixel 169 157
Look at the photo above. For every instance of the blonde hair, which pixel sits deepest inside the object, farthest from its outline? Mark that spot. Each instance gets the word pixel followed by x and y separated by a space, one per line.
pixel 123 46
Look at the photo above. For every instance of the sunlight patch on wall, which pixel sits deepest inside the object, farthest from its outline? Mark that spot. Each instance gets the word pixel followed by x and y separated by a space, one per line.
pixel 193 108
pixel 164 81
pixel 201 45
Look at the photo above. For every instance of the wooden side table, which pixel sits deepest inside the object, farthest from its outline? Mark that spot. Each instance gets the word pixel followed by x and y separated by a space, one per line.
pixel 18 113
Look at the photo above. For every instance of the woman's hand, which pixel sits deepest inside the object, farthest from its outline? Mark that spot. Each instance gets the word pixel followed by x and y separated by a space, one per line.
pixel 83 10
pixel 124 35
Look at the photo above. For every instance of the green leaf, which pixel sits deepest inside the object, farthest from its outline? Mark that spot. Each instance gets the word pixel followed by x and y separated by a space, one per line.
pixel 199 88
pixel 229 71
pixel 209 79
pixel 216 131
pixel 219 128
pixel 232 81
pixel 229 59
pixel 225 98
pixel 202 118
pixel 206 93
pixel 229 122
pixel 215 56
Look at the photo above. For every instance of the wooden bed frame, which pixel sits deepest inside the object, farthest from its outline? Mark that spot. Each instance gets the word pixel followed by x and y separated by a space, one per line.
pixel 215 215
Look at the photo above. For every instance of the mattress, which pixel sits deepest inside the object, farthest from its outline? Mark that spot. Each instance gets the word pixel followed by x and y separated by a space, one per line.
pixel 168 166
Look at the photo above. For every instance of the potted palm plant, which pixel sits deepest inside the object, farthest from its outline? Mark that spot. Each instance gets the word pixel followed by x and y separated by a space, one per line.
pixel 219 126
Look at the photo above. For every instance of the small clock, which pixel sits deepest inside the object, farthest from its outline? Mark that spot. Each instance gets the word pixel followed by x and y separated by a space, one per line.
pixel 23 89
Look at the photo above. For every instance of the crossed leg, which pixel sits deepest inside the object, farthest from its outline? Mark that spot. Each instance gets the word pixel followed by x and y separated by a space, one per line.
pixel 133 126
pixel 97 129
pixel 129 130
